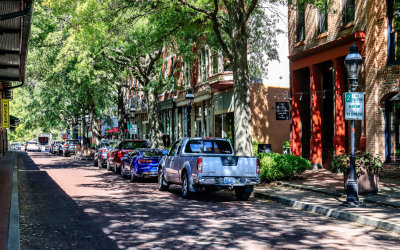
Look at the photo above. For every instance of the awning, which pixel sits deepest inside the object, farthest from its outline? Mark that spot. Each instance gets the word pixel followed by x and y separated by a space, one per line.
pixel 15 22
pixel 115 130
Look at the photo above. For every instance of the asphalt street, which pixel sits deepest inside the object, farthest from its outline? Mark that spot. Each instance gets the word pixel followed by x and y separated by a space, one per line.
pixel 70 204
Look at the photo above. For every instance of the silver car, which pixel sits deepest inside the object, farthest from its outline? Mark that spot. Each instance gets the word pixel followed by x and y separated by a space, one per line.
pixel 33 146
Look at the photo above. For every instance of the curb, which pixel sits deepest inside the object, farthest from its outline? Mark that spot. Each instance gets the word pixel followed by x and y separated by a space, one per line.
pixel 337 194
pixel 330 212
pixel 13 228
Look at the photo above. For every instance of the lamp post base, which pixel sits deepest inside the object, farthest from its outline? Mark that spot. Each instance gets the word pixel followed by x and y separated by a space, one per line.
pixel 352 193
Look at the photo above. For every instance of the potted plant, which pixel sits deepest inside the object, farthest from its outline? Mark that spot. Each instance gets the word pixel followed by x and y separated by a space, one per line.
pixel 367 171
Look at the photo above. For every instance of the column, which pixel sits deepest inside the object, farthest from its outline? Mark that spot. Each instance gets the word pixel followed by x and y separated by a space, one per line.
pixel 295 126
pixel 315 141
pixel 339 141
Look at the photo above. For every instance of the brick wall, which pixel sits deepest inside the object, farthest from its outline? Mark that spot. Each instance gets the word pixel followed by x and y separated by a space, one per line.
pixel 335 28
pixel 381 81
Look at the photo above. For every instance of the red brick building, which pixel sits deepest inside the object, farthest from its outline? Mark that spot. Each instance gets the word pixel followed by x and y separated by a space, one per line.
pixel 318 43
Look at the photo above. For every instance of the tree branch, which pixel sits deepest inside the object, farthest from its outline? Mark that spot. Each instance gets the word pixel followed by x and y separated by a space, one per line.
pixel 250 9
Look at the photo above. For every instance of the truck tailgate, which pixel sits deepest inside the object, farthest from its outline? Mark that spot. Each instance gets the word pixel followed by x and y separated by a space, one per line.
pixel 229 166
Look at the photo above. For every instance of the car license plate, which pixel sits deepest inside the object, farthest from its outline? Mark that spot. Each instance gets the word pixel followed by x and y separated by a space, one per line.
pixel 229 180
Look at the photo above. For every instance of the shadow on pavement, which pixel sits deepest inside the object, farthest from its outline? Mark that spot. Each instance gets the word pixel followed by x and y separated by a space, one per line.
pixel 49 218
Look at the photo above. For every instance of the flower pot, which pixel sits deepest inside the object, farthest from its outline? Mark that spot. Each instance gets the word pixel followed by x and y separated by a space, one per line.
pixel 368 181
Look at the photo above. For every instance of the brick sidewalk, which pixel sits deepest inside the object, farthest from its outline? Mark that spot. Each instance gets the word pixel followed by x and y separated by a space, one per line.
pixel 49 218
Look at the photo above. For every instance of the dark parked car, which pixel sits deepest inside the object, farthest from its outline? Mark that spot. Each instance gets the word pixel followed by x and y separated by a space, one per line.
pixel 69 147
pixel 142 163
pixel 100 156
pixel 120 150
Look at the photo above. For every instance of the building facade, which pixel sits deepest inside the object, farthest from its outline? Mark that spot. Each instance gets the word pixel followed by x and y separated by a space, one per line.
pixel 319 41
pixel 211 114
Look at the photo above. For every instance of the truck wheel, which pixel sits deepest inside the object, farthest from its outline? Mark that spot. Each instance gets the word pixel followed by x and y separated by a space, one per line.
pixel 186 193
pixel 95 163
pixel 243 193
pixel 162 184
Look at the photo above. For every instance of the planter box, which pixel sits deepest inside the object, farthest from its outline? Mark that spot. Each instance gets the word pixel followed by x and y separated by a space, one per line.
pixel 368 182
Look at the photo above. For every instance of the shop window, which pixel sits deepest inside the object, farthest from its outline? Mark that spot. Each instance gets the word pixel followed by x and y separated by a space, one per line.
pixel 323 19
pixel 300 21
pixel 348 11
pixel 393 13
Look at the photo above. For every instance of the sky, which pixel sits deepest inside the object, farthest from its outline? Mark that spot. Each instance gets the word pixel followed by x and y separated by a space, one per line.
pixel 278 72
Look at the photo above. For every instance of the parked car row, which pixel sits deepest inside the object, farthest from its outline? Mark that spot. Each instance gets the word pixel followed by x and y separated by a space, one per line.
pixel 196 164
pixel 64 148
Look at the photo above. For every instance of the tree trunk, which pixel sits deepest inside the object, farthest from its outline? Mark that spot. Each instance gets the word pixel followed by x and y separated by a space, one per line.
pixel 96 129
pixel 243 130
pixel 121 112
pixel 154 120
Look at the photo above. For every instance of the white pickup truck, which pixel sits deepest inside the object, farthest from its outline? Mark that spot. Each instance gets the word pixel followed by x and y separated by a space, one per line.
pixel 208 164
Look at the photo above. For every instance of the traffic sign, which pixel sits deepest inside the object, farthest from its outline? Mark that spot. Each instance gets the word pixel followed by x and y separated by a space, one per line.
pixel 353 105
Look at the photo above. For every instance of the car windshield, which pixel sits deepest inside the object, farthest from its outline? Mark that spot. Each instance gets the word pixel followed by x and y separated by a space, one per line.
pixel 133 144
pixel 153 153
pixel 73 142
pixel 32 142
pixel 208 147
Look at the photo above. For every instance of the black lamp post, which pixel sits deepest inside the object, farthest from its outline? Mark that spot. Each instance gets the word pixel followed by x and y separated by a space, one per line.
pixel 132 115
pixel 80 129
pixel 353 64
pixel 189 102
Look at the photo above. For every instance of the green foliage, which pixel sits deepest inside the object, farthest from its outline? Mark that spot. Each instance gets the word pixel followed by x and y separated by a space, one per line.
pixel 286 146
pixel 276 166
pixel 364 162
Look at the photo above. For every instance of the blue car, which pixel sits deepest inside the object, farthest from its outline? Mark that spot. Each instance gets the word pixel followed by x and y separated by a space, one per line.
pixel 142 163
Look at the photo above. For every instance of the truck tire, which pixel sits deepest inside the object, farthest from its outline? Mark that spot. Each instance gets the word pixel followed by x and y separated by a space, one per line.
pixel 186 193
pixel 243 193
pixel 95 163
pixel 162 184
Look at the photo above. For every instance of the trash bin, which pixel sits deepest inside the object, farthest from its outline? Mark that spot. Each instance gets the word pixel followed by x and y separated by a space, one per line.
pixel 264 148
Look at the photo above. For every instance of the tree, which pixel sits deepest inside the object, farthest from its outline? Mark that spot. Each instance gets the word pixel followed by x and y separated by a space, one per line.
pixel 229 21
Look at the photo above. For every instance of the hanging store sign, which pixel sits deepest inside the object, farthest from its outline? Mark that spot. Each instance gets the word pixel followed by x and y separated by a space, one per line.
pixel 282 110
pixel 5 114
pixel 353 105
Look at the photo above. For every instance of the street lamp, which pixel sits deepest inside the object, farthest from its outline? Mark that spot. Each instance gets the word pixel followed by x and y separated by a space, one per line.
pixel 79 129
pixel 189 102
pixel 132 115
pixel 353 62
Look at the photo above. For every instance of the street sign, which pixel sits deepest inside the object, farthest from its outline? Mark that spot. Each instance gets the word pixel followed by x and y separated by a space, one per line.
pixel 353 105
pixel 133 129
pixel 5 118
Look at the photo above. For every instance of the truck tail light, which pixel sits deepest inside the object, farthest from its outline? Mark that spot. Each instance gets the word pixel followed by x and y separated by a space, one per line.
pixel 200 165
pixel 141 161
pixel 258 166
